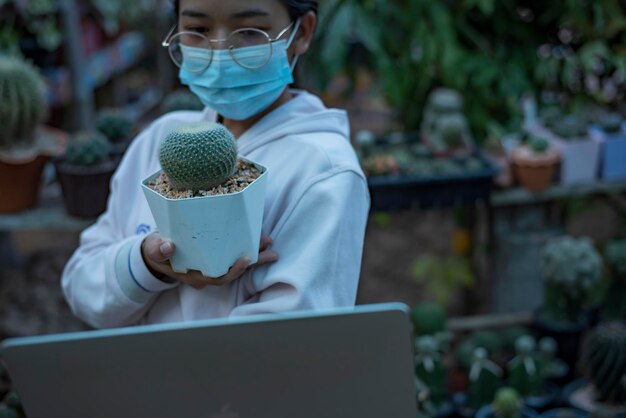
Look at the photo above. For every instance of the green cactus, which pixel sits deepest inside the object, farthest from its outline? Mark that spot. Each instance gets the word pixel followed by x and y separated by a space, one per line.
pixel 114 124
pixel 524 374
pixel 198 156
pixel 604 358
pixel 181 100
pixel 549 365
pixel 538 145
pixel 22 103
pixel 507 403
pixel 429 368
pixel 484 379
pixel 428 318
pixel 571 267
pixel 489 340
pixel 88 148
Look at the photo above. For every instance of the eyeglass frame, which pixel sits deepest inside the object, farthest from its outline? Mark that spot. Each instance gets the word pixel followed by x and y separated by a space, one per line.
pixel 170 35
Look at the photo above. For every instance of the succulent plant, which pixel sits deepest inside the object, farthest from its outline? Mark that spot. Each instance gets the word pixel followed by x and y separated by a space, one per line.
pixel 181 100
pixel 198 156
pixel 114 124
pixel 484 379
pixel 604 359
pixel 538 145
pixel 571 267
pixel 549 365
pixel 429 368
pixel 444 127
pixel 428 318
pixel 489 340
pixel 524 373
pixel 88 148
pixel 507 403
pixel 22 102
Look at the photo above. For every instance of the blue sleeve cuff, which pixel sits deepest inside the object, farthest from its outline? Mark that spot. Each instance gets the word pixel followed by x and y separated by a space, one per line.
pixel 133 275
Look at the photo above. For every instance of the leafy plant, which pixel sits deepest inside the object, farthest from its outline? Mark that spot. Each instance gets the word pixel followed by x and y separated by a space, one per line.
pixel 494 52
pixel 443 276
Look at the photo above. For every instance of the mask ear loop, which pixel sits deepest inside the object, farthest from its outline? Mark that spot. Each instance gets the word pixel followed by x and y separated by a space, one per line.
pixel 291 38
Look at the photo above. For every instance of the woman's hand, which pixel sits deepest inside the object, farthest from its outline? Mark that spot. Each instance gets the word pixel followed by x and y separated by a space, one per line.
pixel 157 252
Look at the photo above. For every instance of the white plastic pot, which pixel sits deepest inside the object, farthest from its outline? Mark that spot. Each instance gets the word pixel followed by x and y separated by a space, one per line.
pixel 580 160
pixel 211 232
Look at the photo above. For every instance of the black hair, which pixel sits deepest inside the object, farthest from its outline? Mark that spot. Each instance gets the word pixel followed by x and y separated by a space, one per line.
pixel 296 8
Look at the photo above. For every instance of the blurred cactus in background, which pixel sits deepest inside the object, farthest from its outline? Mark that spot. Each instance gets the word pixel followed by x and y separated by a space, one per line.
pixel 88 148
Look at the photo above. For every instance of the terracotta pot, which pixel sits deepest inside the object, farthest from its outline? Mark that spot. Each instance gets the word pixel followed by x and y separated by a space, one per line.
pixel 20 171
pixel 534 172
pixel 20 183
pixel 85 188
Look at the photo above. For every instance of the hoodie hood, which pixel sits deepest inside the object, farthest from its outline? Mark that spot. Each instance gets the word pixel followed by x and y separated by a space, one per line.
pixel 303 114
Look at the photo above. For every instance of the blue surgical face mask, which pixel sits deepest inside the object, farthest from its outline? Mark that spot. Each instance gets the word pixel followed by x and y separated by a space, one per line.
pixel 233 91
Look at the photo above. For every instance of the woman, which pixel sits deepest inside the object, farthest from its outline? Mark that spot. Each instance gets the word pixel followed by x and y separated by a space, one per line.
pixel 237 56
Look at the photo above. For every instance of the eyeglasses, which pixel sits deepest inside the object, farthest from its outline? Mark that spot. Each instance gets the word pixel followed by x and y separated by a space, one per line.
pixel 198 60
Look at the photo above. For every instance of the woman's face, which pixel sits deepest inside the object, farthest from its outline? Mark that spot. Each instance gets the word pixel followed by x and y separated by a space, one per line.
pixel 216 19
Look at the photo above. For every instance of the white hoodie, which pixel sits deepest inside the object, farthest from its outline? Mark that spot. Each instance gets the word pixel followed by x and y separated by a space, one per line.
pixel 315 212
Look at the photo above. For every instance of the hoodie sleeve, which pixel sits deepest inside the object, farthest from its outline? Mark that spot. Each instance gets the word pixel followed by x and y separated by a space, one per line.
pixel 106 282
pixel 320 245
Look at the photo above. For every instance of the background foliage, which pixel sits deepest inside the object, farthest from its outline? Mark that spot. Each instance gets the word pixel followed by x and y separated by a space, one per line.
pixel 568 52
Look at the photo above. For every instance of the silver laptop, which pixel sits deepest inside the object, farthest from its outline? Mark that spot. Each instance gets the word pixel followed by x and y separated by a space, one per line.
pixel 343 363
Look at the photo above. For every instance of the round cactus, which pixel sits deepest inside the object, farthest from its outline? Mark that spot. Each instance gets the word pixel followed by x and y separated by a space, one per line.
pixel 114 124
pixel 428 318
pixel 22 103
pixel 198 156
pixel 507 403
pixel 604 357
pixel 88 148
pixel 538 145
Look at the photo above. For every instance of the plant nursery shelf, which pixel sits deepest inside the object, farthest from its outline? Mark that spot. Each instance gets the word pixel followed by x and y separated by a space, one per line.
pixel 521 196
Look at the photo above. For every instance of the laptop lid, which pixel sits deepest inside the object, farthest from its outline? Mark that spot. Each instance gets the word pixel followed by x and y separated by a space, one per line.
pixel 342 363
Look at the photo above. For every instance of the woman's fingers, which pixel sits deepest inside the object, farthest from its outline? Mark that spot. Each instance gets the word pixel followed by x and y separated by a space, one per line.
pixel 265 243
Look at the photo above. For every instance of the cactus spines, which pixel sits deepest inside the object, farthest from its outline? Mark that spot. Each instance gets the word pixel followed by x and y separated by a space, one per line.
pixel 198 156
pixel 88 148
pixel 604 357
pixel 507 403
pixel 22 103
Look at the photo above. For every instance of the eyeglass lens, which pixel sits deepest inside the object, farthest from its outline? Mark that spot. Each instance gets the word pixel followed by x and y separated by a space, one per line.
pixel 194 52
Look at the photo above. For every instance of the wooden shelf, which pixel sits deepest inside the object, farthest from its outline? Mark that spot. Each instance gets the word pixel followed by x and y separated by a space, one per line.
pixel 520 196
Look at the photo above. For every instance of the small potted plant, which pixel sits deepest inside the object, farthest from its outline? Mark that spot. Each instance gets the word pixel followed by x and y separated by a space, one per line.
pixel 580 153
pixel 613 139
pixel 506 404
pixel 604 362
pixel 534 163
pixel 429 370
pixel 571 269
pixel 552 368
pixel 84 173
pixel 117 127
pixel 207 201
pixel 25 144
pixel 444 128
